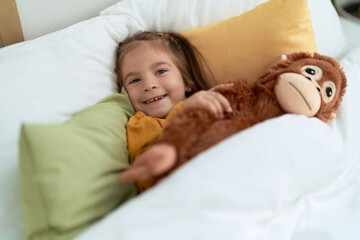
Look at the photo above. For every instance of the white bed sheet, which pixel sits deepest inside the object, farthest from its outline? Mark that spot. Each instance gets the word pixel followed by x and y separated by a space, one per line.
pixel 286 178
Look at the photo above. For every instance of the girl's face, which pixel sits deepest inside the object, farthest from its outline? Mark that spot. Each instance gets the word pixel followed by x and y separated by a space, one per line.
pixel 152 80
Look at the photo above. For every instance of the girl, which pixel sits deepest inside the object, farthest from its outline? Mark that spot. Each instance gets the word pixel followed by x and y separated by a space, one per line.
pixel 161 73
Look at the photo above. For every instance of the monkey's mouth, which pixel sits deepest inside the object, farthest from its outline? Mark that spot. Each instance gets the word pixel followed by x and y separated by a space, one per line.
pixel 300 93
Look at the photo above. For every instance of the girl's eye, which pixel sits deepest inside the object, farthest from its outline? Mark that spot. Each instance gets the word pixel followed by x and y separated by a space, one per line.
pixel 162 71
pixel 134 81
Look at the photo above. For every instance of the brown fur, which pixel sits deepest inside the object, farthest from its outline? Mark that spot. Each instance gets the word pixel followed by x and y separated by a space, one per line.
pixel 195 129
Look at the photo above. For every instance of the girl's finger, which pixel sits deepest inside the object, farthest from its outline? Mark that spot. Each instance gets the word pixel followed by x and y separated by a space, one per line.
pixel 217 101
pixel 208 102
pixel 223 101
pixel 219 111
pixel 212 106
pixel 221 85
pixel 225 104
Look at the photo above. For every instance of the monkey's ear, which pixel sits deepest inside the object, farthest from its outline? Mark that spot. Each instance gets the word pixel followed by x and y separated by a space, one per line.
pixel 283 57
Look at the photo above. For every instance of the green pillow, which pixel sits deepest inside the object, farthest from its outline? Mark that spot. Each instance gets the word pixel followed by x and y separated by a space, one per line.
pixel 69 173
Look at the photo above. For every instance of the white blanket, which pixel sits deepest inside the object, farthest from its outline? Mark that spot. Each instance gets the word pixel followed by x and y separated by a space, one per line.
pixel 286 178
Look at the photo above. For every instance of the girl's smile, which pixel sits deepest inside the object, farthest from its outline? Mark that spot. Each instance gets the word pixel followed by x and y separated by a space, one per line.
pixel 155 99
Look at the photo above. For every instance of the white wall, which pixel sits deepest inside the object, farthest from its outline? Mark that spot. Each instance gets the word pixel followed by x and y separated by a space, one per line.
pixel 39 17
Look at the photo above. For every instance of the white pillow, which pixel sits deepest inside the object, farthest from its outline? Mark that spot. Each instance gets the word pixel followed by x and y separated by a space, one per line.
pixel 179 15
pixel 187 14
pixel 50 79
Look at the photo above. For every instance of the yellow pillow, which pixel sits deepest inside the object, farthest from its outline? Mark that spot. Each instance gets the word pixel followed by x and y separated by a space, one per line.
pixel 245 45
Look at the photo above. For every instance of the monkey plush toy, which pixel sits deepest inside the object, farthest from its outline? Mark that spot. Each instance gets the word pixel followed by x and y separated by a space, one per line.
pixel 301 83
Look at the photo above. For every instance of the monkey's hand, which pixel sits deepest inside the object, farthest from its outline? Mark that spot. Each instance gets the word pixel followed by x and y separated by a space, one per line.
pixel 155 161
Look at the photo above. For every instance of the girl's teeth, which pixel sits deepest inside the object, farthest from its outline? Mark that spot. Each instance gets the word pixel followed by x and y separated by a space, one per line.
pixel 154 99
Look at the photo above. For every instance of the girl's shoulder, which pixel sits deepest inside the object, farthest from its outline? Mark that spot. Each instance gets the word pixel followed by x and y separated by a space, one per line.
pixel 141 118
pixel 139 115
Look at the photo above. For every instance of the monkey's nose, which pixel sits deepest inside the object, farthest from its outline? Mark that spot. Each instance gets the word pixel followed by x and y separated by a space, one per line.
pixel 317 87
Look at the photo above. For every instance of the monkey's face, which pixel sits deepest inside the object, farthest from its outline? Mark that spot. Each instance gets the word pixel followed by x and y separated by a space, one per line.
pixel 310 87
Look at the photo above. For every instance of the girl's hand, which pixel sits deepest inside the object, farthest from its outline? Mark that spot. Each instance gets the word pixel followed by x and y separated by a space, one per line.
pixel 214 101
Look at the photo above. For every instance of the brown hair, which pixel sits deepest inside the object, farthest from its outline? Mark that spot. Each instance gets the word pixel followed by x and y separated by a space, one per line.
pixel 186 57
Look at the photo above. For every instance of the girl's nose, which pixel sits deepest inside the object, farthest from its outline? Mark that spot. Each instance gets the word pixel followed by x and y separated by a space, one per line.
pixel 150 84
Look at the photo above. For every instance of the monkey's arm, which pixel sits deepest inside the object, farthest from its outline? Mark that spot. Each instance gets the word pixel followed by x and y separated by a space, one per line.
pixel 169 152
pixel 185 128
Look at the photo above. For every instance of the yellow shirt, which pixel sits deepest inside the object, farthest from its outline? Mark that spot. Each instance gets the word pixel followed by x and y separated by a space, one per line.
pixel 142 131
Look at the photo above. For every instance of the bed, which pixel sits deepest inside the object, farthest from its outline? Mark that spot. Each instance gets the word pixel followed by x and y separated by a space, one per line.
pixel 63 145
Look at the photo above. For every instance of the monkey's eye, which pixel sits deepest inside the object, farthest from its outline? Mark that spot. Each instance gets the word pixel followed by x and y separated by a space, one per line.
pixel 328 91
pixel 312 72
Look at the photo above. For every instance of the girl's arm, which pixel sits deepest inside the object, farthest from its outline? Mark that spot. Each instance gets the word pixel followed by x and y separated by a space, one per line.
pixel 180 134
